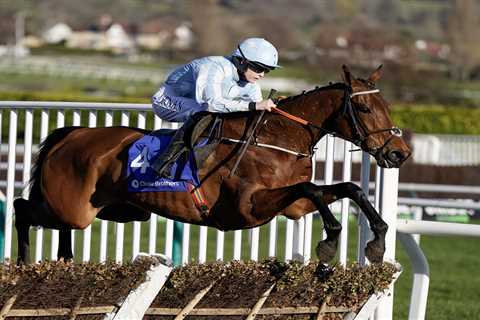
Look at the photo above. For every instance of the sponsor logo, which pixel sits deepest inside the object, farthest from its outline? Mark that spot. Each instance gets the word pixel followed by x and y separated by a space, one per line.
pixel 135 183
pixel 163 101
pixel 158 183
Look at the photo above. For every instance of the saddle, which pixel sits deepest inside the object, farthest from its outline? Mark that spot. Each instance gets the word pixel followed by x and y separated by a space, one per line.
pixel 143 152
pixel 213 138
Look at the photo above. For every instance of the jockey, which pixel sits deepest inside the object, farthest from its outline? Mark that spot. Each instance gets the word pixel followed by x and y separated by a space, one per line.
pixel 214 84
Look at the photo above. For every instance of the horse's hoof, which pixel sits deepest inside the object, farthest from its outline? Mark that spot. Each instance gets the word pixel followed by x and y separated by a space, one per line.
pixel 324 271
pixel 23 261
pixel 65 260
pixel 374 252
pixel 326 251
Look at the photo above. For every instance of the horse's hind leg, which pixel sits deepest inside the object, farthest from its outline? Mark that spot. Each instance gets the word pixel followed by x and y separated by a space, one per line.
pixel 31 213
pixel 65 244
pixel 22 224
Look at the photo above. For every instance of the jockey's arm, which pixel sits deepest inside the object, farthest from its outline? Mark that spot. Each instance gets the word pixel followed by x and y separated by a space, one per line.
pixel 210 89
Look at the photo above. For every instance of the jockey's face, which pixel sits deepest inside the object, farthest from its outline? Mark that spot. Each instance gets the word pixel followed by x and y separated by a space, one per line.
pixel 252 76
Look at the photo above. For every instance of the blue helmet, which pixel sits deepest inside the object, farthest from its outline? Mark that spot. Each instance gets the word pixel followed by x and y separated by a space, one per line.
pixel 258 50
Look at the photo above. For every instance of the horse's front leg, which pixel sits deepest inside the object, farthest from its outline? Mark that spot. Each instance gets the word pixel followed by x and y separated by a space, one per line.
pixel 376 247
pixel 267 203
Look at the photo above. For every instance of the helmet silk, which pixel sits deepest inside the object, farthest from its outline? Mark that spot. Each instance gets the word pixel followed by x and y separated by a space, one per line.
pixel 258 50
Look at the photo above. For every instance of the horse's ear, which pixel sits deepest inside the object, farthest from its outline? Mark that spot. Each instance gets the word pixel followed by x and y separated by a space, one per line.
pixel 347 76
pixel 375 75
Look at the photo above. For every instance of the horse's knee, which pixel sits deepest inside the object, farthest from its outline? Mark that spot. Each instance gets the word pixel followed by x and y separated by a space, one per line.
pixel 380 227
pixel 336 226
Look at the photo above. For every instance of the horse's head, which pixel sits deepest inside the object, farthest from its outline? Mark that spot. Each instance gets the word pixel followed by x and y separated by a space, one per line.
pixel 366 121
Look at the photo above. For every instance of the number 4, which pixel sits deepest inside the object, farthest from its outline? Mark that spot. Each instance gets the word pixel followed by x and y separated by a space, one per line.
pixel 141 161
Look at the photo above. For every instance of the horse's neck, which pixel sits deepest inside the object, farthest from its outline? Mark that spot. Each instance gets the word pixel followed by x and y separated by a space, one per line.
pixel 315 106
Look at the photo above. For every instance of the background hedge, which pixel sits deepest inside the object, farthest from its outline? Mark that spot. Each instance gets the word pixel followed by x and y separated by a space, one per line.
pixel 436 119
pixel 429 119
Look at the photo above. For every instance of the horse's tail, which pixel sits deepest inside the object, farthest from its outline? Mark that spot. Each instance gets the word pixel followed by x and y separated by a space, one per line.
pixel 52 139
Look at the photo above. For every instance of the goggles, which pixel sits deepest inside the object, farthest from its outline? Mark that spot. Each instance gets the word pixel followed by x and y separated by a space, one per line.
pixel 255 66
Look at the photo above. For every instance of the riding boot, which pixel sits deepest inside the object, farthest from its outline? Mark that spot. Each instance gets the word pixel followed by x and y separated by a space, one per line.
pixel 182 141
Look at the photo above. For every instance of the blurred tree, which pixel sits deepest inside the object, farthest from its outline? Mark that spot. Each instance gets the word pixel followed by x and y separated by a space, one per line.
pixel 464 38
pixel 346 9
pixel 386 12
pixel 209 24
pixel 279 30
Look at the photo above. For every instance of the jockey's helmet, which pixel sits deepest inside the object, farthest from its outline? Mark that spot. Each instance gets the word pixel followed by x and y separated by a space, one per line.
pixel 258 51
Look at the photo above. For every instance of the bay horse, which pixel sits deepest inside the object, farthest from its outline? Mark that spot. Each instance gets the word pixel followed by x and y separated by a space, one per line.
pixel 79 173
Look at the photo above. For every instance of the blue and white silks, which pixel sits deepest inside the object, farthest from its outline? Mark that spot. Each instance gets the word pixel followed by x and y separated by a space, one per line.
pixel 205 84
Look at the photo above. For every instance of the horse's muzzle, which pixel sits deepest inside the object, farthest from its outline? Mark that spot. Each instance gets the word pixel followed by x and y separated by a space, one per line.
pixel 393 158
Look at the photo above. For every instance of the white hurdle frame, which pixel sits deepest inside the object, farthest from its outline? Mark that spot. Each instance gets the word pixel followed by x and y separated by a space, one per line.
pixel 298 233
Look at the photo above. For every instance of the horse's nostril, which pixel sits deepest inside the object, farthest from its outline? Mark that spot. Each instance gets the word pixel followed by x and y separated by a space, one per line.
pixel 396 156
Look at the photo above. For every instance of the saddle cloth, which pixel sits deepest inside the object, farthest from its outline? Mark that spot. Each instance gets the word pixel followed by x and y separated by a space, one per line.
pixel 141 176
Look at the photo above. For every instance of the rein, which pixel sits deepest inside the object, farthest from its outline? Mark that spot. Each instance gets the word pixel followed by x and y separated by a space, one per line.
pixel 353 118
pixel 308 123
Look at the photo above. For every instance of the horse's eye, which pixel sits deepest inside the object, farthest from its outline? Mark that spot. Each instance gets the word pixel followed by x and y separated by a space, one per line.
pixel 363 108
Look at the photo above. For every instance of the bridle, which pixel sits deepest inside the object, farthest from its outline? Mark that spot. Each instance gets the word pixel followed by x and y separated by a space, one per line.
pixel 360 133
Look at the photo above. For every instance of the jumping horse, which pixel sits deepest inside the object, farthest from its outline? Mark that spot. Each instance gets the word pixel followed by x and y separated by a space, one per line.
pixel 79 173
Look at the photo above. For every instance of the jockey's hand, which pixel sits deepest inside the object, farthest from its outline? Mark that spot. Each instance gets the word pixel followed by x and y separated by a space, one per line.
pixel 265 105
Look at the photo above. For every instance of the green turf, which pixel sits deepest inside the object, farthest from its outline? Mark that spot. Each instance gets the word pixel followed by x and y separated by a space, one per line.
pixel 454 285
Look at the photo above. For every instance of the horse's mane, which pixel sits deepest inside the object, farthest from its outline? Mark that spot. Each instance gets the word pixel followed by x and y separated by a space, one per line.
pixel 330 86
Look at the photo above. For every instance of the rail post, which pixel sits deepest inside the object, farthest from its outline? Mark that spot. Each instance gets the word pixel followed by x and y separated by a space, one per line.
pixel 177 243
pixel 2 225
pixel 388 209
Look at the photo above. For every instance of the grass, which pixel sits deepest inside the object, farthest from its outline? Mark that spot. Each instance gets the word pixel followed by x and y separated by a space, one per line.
pixel 454 284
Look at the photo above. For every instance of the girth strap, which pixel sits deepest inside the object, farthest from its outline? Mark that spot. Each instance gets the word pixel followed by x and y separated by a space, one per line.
pixel 199 199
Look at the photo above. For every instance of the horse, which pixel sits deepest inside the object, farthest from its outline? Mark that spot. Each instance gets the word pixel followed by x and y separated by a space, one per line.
pixel 79 173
